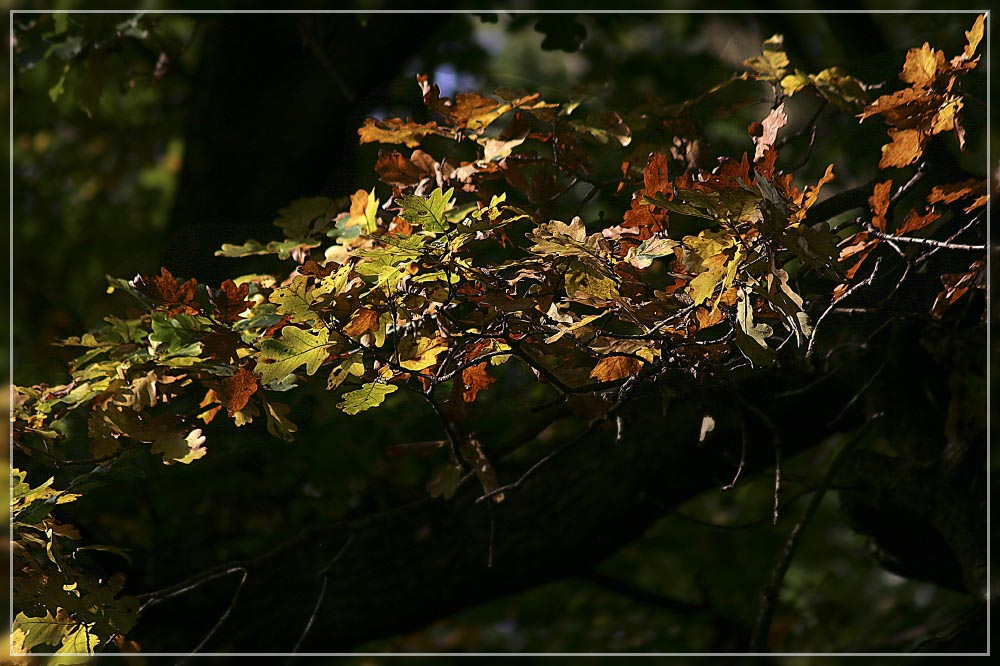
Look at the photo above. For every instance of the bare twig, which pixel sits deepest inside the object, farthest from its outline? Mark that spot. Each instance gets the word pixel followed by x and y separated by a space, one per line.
pixel 225 615
pixel 929 242
pixel 743 448
pixel 776 436
pixel 597 421
pixel 857 396
pixel 153 598
pixel 770 592
pixel 325 576
pixel 857 287
pixel 910 184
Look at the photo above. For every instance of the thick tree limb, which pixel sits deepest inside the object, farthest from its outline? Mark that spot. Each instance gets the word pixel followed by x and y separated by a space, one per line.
pixel 428 559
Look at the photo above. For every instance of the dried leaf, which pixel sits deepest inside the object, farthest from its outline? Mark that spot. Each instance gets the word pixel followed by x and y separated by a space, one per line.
pixel 395 130
pixel 879 204
pixel 775 120
pixel 613 368
pixel 475 379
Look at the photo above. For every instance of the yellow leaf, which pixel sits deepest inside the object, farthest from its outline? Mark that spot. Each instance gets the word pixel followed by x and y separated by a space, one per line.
pixel 922 65
pixel 424 354
pixel 974 36
pixel 395 130
pixel 944 119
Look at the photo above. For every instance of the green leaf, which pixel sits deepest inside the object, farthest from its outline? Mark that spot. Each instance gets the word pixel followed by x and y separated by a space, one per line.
pixel 297 249
pixel 429 212
pixel 297 219
pixel 650 249
pixel 707 255
pixel 771 63
pixel 604 127
pixel 352 365
pixel 751 338
pixel 732 205
pixel 298 298
pixel 277 424
pixel 446 483
pixel 588 286
pixel 368 396
pixel 179 335
pixel 177 447
pixel 34 631
pixel 297 347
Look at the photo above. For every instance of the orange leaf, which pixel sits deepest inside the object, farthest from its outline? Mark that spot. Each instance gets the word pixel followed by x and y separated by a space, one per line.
pixel 906 146
pixel 879 203
pixel 915 221
pixel 612 368
pixel 951 193
pixel 811 194
pixel 475 379
pixel 655 176
pixel 395 130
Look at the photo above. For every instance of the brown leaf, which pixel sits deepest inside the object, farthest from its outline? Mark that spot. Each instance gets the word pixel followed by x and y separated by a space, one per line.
pixel 164 289
pixel 230 300
pixel 394 169
pixel 362 321
pixel 473 453
pixel 957 285
pixel 475 379
pixel 467 110
pixel 236 390
pixel 221 345
pixel 879 204
pixel 655 176
pixel 612 368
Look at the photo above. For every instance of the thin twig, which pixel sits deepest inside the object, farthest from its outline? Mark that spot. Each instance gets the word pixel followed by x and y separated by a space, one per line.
pixel 776 436
pixel 971 223
pixel 743 449
pixel 857 287
pixel 857 396
pixel 929 242
pixel 910 184
pixel 325 575
pixel 597 421
pixel 770 592
pixel 493 526
pixel 222 619
pixel 153 598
